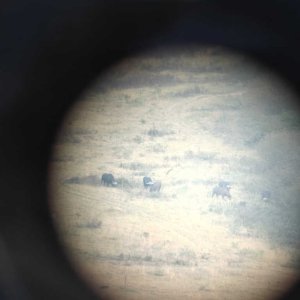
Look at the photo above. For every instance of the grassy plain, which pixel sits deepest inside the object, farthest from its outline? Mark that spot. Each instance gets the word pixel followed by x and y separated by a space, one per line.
pixel 189 118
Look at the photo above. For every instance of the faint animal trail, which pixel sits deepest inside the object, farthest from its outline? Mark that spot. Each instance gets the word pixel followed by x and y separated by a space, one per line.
pixel 169 171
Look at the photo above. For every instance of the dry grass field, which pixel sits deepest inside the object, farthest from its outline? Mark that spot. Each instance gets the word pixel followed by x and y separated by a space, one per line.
pixel 189 118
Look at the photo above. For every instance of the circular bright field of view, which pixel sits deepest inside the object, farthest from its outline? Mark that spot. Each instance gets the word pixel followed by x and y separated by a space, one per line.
pixel 218 139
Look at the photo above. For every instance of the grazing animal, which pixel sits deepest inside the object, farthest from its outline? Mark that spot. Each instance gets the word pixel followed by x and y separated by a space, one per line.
pixel 265 195
pixel 155 187
pixel 108 179
pixel 147 181
pixel 225 184
pixel 221 191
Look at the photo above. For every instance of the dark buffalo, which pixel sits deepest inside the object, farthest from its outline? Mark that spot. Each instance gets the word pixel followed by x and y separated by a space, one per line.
pixel 265 195
pixel 155 187
pixel 108 180
pixel 147 181
pixel 225 184
pixel 221 191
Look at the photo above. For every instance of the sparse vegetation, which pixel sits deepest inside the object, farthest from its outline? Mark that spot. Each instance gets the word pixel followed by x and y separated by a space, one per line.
pixel 246 253
pixel 93 180
pixel 148 258
pixel 158 272
pixel 133 166
pixel 290 119
pixel 154 195
pixel 158 148
pixel 189 119
pixel 124 182
pixel 138 139
pixel 200 156
pixel 194 91
pixel 92 224
pixel 154 132
pixel 75 135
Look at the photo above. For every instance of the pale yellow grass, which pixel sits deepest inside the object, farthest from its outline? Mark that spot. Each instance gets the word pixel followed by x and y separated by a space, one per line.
pixel 165 247
pixel 217 269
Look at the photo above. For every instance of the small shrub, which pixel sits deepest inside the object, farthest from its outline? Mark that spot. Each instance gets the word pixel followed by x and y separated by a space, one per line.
pixel 200 155
pixel 146 234
pixel 154 195
pixel 189 155
pixel 93 224
pixel 148 258
pixel 68 138
pixel 84 131
pixel 291 119
pixel 139 173
pixel 158 149
pixel 120 256
pixel 159 133
pixel 216 210
pixel 189 92
pixel 138 139
pixel 93 180
pixel 60 157
pixel 250 253
pixel 254 139
pixel 124 182
pixel 175 158
pixel 153 132
pixel 294 263
pixel 234 263
pixel 158 273
pixel 205 256
pixel 132 166
pixel 187 254
pixel 73 180
pixel 180 262
pixel 73 135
